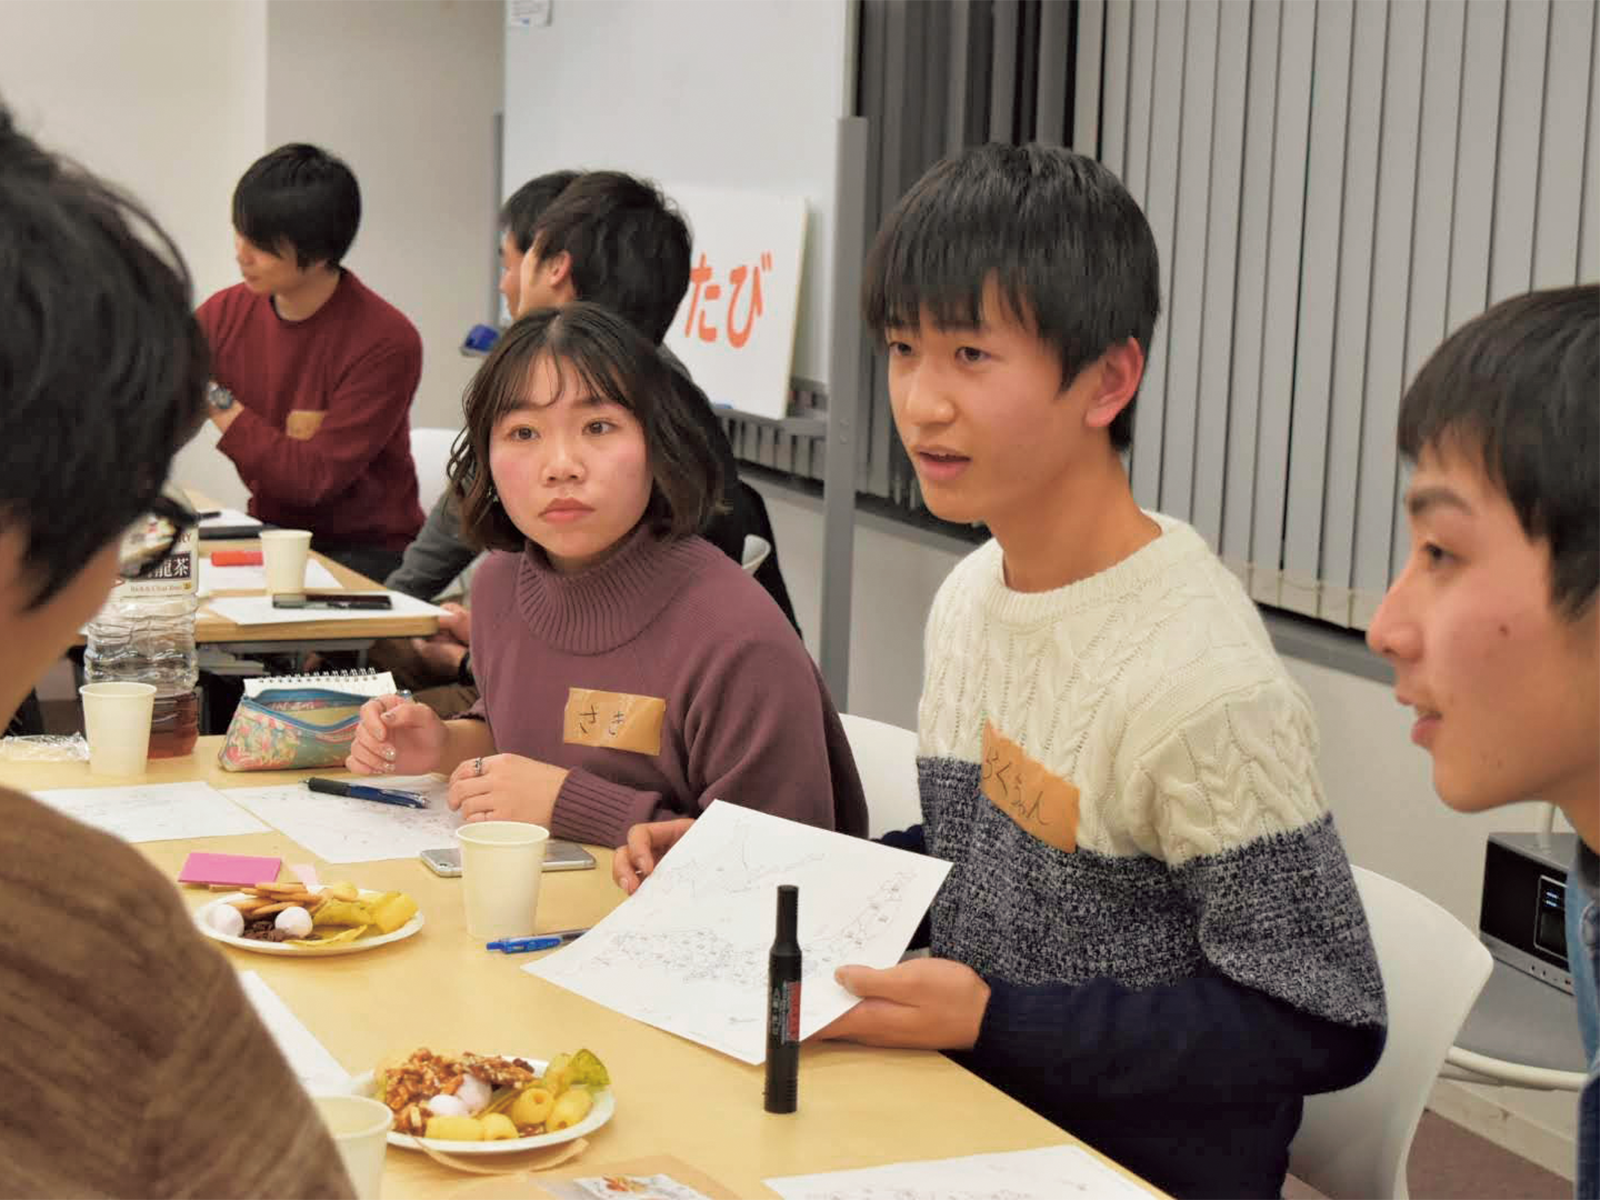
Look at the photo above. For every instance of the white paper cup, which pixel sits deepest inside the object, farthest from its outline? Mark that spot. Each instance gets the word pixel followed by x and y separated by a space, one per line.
pixel 116 719
pixel 284 553
pixel 360 1128
pixel 501 862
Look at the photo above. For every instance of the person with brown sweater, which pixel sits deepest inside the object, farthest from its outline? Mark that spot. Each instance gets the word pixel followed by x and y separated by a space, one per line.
pixel 315 370
pixel 629 670
pixel 134 1065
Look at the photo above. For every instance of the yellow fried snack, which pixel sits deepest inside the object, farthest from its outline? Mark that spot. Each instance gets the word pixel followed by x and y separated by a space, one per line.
pixel 390 911
pixel 330 939
pixel 555 1074
pixel 341 891
pixel 497 1127
pixel 532 1106
pixel 588 1071
pixel 455 1129
pixel 571 1106
pixel 346 912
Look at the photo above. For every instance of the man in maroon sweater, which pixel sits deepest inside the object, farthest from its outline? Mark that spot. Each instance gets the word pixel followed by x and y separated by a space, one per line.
pixel 314 371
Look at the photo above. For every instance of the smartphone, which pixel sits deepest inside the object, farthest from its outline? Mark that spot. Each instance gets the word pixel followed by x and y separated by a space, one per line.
pixel 376 600
pixel 558 856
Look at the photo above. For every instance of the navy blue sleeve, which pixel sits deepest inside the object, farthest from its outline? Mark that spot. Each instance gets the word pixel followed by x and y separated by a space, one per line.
pixel 905 839
pixel 1210 1037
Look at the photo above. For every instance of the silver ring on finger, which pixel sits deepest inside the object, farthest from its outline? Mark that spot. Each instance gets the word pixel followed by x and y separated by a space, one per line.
pixel 477 764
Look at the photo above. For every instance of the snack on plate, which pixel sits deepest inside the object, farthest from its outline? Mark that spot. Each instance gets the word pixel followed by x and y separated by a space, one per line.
pixel 288 912
pixel 478 1098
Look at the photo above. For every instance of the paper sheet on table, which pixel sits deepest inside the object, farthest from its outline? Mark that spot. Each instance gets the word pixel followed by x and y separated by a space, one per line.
pixel 258 610
pixel 688 951
pixel 254 579
pixel 154 812
pixel 308 1058
pixel 343 829
pixel 227 518
pixel 1048 1173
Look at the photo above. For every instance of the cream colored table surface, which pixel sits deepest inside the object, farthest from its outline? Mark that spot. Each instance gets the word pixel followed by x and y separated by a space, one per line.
pixel 859 1106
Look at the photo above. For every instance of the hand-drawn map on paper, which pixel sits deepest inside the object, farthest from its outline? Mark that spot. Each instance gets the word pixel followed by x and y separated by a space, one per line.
pixel 688 951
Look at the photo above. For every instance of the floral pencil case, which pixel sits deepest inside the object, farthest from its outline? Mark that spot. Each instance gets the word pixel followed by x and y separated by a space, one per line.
pixel 291 729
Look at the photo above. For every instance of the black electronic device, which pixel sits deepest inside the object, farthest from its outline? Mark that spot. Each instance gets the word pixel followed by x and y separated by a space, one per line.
pixel 1523 916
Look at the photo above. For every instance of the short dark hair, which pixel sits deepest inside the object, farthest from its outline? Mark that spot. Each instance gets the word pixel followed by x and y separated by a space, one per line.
pixel 1069 248
pixel 102 365
pixel 1516 389
pixel 299 199
pixel 608 357
pixel 629 246
pixel 520 214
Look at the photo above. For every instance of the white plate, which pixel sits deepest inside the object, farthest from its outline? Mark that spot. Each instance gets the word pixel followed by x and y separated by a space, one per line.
pixel 355 947
pixel 604 1106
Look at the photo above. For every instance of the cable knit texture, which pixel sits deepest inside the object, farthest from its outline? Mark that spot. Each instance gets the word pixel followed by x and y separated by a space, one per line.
pixel 748 718
pixel 1206 924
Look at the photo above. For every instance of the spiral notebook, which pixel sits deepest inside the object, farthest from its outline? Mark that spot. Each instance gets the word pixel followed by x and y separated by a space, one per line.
pixel 359 683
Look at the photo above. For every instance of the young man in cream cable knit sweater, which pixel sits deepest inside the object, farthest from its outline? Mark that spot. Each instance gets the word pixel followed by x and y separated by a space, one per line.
pixel 1150 934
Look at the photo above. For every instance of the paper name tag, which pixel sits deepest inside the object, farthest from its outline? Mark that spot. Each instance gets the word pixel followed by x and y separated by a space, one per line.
pixel 613 720
pixel 1044 804
pixel 303 423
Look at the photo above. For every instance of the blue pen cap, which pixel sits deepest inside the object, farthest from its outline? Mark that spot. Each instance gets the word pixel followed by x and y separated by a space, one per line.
pixel 480 339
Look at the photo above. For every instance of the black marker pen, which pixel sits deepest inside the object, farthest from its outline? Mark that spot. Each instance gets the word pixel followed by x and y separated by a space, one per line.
pixel 783 1007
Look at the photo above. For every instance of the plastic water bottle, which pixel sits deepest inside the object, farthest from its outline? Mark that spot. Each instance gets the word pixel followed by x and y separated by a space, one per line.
pixel 145 634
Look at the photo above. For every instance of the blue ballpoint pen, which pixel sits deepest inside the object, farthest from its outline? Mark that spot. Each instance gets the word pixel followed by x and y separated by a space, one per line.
pixel 337 787
pixel 542 941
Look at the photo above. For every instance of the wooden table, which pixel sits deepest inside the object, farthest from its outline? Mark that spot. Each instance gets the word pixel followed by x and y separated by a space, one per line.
pixel 859 1106
pixel 312 634
pixel 210 629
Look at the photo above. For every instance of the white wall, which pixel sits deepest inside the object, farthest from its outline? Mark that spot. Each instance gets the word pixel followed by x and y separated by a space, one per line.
pixel 174 99
pixel 405 91
pixel 165 97
pixel 710 93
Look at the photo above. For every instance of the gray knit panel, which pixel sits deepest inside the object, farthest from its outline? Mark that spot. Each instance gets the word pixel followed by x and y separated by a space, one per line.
pixel 1280 915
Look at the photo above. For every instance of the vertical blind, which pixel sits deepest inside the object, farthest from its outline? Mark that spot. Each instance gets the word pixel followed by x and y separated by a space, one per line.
pixel 1334 185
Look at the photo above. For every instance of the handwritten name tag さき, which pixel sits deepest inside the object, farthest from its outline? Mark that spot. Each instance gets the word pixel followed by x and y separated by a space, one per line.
pixel 1041 802
pixel 613 720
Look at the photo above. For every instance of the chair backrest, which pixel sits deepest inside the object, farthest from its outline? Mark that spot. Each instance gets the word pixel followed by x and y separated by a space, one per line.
pixel 1355 1142
pixel 430 450
pixel 756 549
pixel 886 758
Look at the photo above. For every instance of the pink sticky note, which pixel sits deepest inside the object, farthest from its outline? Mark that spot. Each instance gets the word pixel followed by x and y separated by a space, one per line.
pixel 240 870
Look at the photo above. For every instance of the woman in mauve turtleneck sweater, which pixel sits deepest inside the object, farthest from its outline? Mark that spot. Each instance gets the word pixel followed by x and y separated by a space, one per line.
pixel 629 670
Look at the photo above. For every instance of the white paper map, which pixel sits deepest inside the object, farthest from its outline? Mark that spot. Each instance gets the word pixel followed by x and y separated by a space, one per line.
pixel 1048 1173
pixel 342 829
pixel 153 812
pixel 688 951
pixel 308 1058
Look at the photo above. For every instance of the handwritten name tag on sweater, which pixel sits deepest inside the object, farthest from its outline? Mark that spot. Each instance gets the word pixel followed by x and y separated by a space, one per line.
pixel 613 720
pixel 1042 803
pixel 302 424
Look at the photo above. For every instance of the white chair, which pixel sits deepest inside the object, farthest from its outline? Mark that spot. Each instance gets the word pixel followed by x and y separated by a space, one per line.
pixel 756 549
pixel 1355 1142
pixel 886 758
pixel 430 450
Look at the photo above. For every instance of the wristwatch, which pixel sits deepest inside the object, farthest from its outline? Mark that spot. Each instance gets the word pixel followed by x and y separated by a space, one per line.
pixel 219 397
